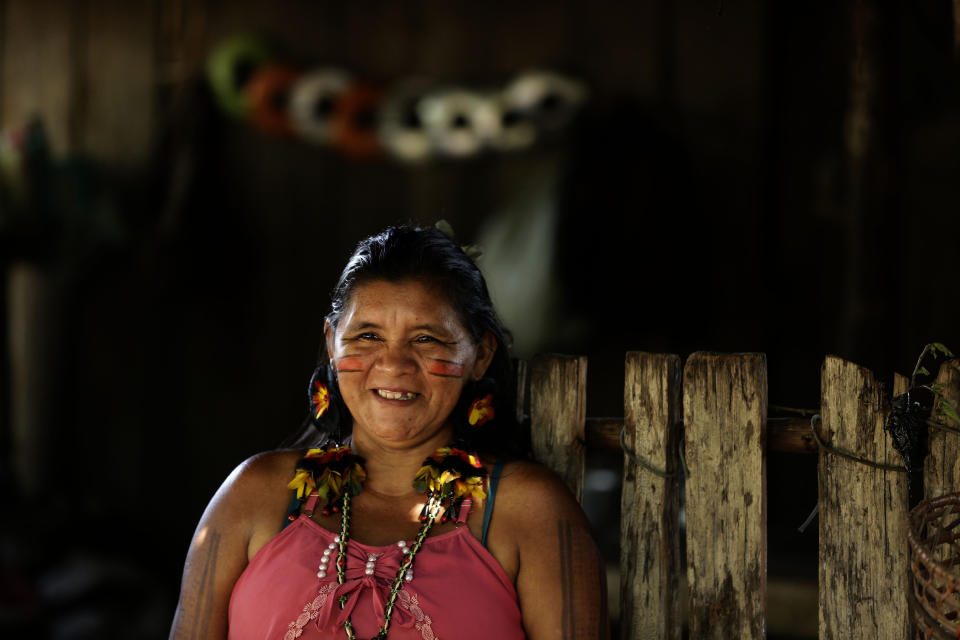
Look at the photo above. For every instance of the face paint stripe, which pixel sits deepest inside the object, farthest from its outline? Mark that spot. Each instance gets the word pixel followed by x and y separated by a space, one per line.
pixel 445 368
pixel 349 364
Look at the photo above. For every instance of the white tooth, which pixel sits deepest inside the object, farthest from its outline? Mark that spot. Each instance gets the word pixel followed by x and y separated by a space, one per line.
pixel 396 395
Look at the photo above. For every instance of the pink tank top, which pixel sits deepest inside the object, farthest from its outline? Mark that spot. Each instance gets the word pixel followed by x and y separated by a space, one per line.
pixel 459 591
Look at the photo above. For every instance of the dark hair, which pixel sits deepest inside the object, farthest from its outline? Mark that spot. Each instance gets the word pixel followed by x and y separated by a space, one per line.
pixel 428 255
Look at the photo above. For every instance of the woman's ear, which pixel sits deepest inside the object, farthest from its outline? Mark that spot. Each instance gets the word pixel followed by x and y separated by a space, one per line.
pixel 329 333
pixel 486 348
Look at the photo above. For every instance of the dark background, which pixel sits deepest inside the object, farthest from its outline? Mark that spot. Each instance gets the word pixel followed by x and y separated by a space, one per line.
pixel 746 176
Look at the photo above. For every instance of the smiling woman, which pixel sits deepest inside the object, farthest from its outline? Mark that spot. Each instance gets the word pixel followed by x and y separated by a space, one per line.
pixel 414 511
pixel 409 358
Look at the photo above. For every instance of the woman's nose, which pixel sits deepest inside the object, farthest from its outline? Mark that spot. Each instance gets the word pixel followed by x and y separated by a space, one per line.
pixel 396 360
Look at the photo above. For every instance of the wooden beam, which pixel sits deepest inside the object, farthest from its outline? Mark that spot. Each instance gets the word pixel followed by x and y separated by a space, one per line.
pixel 863 512
pixel 604 433
pixel 558 406
pixel 725 411
pixel 649 504
pixel 784 435
pixel 790 435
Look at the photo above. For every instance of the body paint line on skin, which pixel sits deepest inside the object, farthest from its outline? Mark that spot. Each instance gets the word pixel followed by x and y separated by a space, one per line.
pixel 566 579
pixel 209 576
pixel 350 364
pixel 445 368
pixel 193 620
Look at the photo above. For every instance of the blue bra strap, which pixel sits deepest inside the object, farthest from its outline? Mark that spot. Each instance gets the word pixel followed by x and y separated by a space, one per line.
pixel 491 498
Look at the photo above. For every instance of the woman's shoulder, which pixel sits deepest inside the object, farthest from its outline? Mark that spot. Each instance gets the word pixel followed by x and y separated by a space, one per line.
pixel 257 484
pixel 545 543
pixel 527 474
pixel 531 504
pixel 529 491
pixel 250 505
pixel 267 467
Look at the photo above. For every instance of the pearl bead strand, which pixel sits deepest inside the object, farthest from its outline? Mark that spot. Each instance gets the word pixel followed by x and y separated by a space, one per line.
pixel 322 573
pixel 371 565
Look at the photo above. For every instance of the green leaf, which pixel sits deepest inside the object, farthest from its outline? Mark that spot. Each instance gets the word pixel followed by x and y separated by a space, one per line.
pixel 473 251
pixel 923 371
pixel 948 409
pixel 445 227
pixel 939 346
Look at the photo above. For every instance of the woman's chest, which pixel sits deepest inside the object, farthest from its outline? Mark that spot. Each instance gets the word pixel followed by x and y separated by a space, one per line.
pixel 375 524
pixel 302 585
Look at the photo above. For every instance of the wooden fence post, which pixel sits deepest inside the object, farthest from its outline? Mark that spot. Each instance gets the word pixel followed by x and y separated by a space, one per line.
pixel 901 384
pixel 941 469
pixel 725 413
pixel 558 416
pixel 649 504
pixel 863 512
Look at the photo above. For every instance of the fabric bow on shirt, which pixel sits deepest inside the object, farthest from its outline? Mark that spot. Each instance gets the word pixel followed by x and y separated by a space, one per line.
pixel 356 583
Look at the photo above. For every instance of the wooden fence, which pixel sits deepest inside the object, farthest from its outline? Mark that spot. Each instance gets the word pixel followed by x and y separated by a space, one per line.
pixel 715 405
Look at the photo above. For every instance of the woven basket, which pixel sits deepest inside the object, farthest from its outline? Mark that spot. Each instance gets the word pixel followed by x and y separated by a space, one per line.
pixel 934 538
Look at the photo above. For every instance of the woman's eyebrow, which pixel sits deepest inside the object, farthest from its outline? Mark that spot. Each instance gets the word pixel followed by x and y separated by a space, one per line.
pixel 432 328
pixel 363 325
pixel 446 336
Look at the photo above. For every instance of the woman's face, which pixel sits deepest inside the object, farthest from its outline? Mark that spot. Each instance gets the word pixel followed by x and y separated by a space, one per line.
pixel 402 358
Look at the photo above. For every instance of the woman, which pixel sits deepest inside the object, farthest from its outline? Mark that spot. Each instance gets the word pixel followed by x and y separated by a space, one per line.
pixel 405 533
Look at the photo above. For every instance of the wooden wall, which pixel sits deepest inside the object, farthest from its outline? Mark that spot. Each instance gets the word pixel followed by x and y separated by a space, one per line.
pixel 220 294
pixel 697 198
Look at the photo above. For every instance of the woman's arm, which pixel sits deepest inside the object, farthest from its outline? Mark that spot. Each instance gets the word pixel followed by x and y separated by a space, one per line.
pixel 561 580
pixel 245 512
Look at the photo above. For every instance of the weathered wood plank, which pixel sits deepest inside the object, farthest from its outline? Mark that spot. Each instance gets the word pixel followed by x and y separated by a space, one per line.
pixel 941 469
pixel 181 41
pixel 956 29
pixel 119 78
pixel 558 406
pixel 521 369
pixel 37 77
pixel 863 512
pixel 649 504
pixel 900 385
pixel 725 409
pixel 32 307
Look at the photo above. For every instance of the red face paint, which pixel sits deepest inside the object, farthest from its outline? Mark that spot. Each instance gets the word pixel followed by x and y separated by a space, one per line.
pixel 349 364
pixel 445 368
